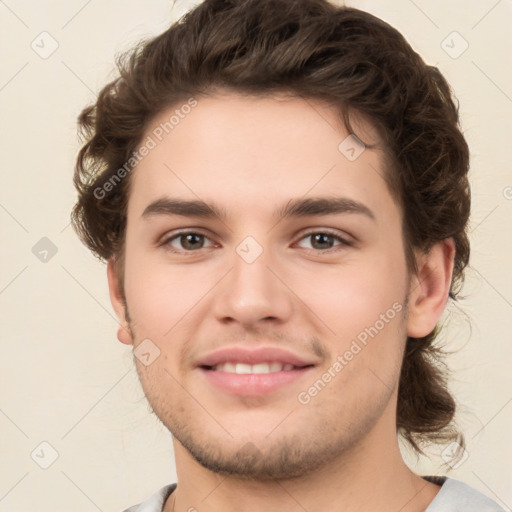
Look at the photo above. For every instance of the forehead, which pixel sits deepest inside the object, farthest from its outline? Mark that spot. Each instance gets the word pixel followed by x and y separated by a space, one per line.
pixel 256 152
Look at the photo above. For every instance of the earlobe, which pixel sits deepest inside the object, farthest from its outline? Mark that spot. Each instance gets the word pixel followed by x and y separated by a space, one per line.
pixel 429 288
pixel 124 335
pixel 118 303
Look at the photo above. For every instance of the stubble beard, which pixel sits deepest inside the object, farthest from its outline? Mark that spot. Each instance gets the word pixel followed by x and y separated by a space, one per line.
pixel 294 455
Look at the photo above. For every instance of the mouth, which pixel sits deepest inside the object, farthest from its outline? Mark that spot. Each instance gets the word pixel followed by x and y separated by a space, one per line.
pixel 253 373
pixel 259 368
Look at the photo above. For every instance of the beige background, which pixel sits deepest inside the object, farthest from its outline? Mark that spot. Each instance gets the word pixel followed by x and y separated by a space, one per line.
pixel 66 381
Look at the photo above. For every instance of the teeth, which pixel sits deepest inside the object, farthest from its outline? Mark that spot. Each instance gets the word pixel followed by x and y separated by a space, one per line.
pixel 230 367
pixel 260 368
pixel 243 368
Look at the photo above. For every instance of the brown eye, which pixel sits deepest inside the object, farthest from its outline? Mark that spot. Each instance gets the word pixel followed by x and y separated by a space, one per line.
pixel 324 240
pixel 188 241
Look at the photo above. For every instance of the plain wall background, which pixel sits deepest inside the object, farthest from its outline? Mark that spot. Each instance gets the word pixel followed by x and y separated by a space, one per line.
pixel 64 377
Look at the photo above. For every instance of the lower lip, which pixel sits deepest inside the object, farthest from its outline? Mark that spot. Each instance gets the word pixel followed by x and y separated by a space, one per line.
pixel 253 384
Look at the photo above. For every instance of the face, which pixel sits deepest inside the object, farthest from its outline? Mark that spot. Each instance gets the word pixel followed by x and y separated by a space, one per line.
pixel 270 331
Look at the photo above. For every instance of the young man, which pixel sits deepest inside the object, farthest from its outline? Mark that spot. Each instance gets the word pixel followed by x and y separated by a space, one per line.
pixel 280 190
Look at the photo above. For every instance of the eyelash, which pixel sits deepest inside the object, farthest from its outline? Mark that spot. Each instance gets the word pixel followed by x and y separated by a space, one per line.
pixel 343 242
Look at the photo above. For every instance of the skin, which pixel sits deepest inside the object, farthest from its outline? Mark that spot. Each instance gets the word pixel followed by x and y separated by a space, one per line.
pixel 251 155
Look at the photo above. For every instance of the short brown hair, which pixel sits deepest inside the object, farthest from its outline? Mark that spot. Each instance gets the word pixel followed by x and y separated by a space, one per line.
pixel 311 49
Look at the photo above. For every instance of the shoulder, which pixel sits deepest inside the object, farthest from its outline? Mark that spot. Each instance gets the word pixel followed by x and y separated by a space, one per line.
pixel 155 502
pixel 456 496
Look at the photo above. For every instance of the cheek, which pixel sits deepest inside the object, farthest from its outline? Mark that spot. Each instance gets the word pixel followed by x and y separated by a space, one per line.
pixel 348 298
pixel 365 353
pixel 154 297
pixel 362 307
pixel 163 298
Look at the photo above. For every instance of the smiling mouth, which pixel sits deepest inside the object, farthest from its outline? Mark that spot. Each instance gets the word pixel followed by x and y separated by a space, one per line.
pixel 253 380
pixel 259 368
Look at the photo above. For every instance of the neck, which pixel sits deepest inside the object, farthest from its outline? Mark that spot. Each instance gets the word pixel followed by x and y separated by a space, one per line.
pixel 370 476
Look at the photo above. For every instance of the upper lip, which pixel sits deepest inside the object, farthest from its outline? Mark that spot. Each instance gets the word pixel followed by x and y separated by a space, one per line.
pixel 254 356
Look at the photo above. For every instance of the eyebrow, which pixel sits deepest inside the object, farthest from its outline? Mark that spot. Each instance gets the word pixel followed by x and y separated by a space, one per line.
pixel 316 206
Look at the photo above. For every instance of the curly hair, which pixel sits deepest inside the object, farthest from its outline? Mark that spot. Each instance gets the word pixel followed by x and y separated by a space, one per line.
pixel 311 49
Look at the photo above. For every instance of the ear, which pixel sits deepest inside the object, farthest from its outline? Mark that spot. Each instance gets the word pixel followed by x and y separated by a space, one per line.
pixel 429 289
pixel 118 303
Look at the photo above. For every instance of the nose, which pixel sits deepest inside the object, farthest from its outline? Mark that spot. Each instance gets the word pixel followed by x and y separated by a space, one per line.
pixel 253 293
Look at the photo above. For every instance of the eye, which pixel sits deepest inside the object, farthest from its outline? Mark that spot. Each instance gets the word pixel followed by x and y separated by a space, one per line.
pixel 324 240
pixel 189 241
